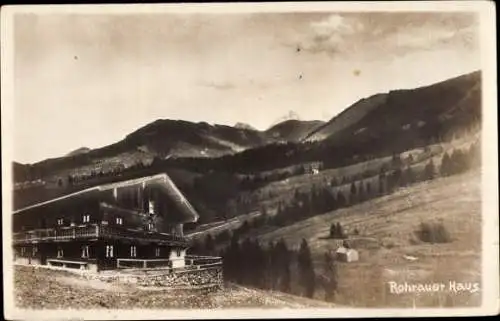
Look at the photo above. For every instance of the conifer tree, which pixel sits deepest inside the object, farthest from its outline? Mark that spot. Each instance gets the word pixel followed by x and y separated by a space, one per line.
pixel 333 230
pixel 209 244
pixel 445 165
pixel 381 185
pixel 368 190
pixel 396 179
pixel 429 171
pixel 396 161
pixel 285 265
pixel 361 192
pixel 341 201
pixel 409 176
pixel 331 284
pixel 306 270
pixel 353 195
pixel 340 231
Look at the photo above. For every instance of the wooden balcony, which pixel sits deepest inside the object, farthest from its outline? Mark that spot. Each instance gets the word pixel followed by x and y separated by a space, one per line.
pixel 108 231
pixel 59 234
pixel 95 231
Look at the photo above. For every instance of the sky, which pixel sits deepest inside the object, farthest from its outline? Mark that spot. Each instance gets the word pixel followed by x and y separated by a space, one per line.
pixel 89 80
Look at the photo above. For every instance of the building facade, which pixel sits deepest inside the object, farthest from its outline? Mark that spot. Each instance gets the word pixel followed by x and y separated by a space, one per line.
pixel 136 223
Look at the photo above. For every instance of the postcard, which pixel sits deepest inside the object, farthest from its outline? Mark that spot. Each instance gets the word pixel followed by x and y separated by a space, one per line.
pixel 249 160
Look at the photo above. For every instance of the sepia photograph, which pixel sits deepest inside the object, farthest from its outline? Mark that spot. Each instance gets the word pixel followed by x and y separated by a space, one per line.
pixel 262 160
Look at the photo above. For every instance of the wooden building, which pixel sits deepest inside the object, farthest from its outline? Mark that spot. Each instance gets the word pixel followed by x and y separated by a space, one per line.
pixel 133 223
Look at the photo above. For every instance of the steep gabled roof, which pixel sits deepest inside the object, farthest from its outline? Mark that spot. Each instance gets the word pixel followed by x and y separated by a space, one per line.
pixel 162 181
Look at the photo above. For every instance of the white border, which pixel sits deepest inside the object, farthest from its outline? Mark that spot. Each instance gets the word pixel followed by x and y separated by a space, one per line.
pixel 490 263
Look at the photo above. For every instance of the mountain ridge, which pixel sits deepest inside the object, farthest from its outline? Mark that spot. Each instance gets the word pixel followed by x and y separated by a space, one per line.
pixel 387 120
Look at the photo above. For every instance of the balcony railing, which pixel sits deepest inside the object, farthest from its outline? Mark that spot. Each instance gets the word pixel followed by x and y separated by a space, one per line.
pixel 63 233
pixel 122 232
pixel 93 231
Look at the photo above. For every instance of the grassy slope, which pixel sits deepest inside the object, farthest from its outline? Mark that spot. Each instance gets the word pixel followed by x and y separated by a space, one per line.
pixel 387 227
pixel 283 190
pixel 49 289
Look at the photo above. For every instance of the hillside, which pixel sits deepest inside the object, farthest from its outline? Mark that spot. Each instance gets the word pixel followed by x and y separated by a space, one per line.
pixel 383 123
pixel 402 115
pixel 374 128
pixel 188 139
pixel 292 130
pixel 162 139
pixel 389 248
pixel 346 118
pixel 49 289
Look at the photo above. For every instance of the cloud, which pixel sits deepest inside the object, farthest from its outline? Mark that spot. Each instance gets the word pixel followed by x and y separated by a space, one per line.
pixel 388 34
pixel 336 24
pixel 331 34
pixel 216 85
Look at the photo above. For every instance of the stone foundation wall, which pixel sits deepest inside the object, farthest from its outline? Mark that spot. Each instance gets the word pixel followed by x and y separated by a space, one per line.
pixel 197 278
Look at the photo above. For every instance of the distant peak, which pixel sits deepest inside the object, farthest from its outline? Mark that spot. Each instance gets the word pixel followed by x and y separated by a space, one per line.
pixel 291 115
pixel 243 126
pixel 81 150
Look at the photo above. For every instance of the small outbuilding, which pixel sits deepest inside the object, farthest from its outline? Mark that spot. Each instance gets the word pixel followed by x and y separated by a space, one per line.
pixel 313 168
pixel 344 254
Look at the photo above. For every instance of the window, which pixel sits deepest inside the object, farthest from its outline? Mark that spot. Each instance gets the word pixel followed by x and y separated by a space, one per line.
pixel 157 252
pixel 151 207
pixel 85 251
pixel 60 252
pixel 119 221
pixel 34 251
pixel 133 251
pixel 86 218
pixel 23 251
pixel 109 250
pixel 60 221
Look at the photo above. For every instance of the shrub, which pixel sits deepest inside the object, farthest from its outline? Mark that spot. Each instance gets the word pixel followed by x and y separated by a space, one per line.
pixel 337 232
pixel 433 233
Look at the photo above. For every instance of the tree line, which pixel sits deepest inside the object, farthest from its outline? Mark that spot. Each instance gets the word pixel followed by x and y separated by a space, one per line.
pixel 273 267
pixel 322 199
pixel 276 267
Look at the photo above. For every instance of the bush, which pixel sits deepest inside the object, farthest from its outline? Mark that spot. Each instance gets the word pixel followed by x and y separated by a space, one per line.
pixel 433 233
pixel 337 232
